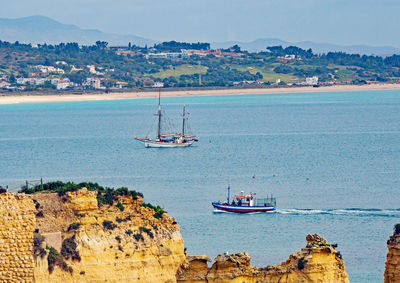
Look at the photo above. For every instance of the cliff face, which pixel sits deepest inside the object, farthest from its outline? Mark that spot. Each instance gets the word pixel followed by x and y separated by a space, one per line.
pixel 132 247
pixel 128 242
pixel 318 262
pixel 392 270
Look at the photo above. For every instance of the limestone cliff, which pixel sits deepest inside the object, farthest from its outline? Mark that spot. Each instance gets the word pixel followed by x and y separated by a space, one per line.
pixel 318 262
pixel 47 237
pixel 392 270
pixel 126 244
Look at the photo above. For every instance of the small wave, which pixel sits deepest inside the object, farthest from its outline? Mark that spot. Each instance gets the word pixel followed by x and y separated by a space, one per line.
pixel 345 212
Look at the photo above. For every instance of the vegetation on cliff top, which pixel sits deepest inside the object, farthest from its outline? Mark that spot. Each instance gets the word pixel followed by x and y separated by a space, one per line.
pixel 158 210
pixel 106 195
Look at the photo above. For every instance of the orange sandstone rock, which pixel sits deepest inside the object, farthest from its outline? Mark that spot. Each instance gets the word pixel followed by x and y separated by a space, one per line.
pixel 318 262
pixel 136 247
pixel 392 269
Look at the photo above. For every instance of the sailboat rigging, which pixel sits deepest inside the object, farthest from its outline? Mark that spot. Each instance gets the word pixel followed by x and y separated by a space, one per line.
pixel 169 139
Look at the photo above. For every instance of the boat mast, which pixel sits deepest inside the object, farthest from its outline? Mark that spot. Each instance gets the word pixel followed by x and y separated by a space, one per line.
pixel 183 122
pixel 229 192
pixel 159 115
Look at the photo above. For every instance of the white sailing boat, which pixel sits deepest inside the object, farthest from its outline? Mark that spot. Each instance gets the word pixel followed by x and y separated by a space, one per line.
pixel 169 139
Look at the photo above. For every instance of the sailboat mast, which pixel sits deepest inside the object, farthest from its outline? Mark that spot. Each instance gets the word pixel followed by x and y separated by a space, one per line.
pixel 183 122
pixel 159 115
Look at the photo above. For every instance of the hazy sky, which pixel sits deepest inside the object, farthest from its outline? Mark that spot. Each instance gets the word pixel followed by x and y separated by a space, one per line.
pixel 373 22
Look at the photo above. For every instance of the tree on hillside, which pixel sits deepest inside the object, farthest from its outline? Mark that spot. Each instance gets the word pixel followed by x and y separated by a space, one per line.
pixel 77 77
pixel 12 79
pixel 101 44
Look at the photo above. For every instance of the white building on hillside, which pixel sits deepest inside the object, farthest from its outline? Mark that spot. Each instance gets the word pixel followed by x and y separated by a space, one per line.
pixel 158 84
pixel 312 80
pixel 93 82
pixel 63 84
pixel 49 69
pixel 25 81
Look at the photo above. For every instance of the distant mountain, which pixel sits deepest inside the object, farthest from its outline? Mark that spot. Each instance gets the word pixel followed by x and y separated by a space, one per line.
pixel 256 45
pixel 352 49
pixel 261 44
pixel 40 29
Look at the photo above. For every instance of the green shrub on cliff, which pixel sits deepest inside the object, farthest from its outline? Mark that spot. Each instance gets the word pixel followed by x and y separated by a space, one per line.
pixel 147 231
pixel 74 226
pixel 397 228
pixel 55 259
pixel 301 263
pixel 38 250
pixel 109 225
pixel 138 237
pixel 120 206
pixel 107 198
pixel 68 249
pixel 157 209
pixel 135 195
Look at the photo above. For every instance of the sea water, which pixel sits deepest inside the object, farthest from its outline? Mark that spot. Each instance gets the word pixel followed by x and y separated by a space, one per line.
pixel 331 159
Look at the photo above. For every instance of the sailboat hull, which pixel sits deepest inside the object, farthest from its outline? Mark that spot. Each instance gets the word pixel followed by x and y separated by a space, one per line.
pixel 149 143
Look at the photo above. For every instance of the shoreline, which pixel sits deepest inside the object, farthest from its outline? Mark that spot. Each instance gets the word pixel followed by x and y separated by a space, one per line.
pixel 15 99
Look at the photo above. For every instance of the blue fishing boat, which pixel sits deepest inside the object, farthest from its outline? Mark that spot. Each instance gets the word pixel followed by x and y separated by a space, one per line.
pixel 249 203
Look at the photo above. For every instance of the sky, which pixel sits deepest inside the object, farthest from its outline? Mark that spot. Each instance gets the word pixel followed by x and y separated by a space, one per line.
pixel 346 22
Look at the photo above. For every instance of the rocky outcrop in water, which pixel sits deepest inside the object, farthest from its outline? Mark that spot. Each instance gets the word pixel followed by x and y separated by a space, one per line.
pixel 392 269
pixel 318 262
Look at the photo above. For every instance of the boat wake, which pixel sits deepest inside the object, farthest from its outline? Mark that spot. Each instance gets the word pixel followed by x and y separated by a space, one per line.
pixel 345 212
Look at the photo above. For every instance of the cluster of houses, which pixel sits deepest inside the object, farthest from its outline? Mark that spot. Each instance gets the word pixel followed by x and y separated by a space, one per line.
pixel 53 77
pixel 63 83
pixel 57 83
pixel 288 57
pixel 178 55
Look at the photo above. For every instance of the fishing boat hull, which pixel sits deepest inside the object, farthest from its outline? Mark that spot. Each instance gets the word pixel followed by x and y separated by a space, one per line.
pixel 243 209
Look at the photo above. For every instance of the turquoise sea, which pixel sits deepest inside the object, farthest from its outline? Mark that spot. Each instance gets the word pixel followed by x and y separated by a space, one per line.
pixel 331 159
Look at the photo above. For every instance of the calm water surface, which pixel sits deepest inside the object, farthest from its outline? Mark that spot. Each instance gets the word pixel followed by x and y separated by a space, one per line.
pixel 331 159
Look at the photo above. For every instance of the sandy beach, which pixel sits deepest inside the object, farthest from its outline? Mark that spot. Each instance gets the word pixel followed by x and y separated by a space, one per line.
pixel 38 98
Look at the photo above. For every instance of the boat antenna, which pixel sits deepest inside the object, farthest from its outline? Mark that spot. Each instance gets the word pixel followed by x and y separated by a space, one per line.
pixel 183 122
pixel 159 114
pixel 229 192
pixel 159 95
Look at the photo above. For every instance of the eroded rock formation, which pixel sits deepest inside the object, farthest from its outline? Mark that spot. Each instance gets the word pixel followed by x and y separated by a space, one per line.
pixel 392 270
pixel 128 242
pixel 318 262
